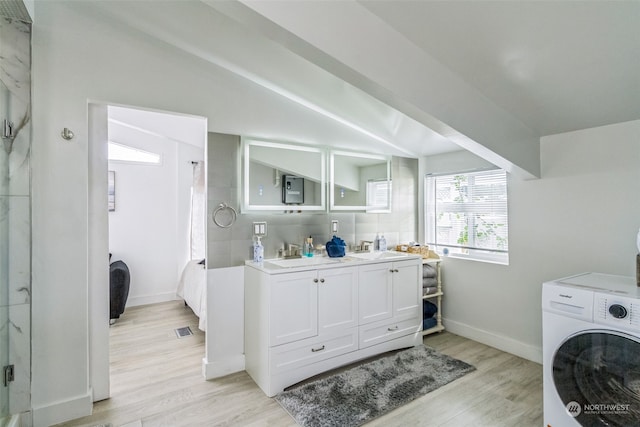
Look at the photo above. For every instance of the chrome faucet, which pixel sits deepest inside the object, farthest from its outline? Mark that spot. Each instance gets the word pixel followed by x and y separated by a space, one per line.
pixel 290 250
pixel 366 245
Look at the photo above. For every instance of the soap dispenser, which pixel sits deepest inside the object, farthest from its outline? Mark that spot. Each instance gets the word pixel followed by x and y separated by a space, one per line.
pixel 376 243
pixel 308 247
pixel 258 250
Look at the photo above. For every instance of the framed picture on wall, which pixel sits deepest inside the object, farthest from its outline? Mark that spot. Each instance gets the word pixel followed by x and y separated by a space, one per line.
pixel 111 191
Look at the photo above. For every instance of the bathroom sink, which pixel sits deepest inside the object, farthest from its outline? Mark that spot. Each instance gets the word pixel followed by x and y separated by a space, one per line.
pixel 379 255
pixel 321 260
pixel 302 262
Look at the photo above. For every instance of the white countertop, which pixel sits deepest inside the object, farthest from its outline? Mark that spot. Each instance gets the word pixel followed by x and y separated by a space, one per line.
pixel 281 265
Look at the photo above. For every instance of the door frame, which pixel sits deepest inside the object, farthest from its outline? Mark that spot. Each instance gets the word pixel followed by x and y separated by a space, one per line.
pixel 98 244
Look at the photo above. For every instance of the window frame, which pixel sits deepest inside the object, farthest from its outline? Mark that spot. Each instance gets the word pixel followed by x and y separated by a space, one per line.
pixel 468 251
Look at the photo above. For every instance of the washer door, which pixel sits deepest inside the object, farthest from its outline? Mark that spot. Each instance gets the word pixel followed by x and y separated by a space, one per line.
pixel 597 375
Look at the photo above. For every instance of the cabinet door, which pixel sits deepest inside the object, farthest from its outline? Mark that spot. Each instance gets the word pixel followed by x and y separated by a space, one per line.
pixel 294 307
pixel 337 299
pixel 407 301
pixel 376 292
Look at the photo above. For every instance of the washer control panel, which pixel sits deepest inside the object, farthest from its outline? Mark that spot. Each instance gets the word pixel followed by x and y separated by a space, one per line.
pixel 614 310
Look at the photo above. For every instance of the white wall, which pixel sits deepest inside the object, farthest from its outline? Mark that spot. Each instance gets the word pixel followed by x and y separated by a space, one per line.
pixel 143 228
pixel 110 65
pixel 149 229
pixel 582 215
pixel 224 352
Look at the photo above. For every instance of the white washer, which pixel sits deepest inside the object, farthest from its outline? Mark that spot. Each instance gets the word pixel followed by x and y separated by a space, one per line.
pixel 591 351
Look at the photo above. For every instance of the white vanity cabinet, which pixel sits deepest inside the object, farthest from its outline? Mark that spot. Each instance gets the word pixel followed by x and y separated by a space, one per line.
pixel 376 296
pixel 389 300
pixel 300 322
pixel 293 306
pixel 308 303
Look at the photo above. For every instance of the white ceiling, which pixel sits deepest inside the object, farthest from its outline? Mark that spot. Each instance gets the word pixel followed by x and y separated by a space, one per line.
pixel 556 65
pixel 550 66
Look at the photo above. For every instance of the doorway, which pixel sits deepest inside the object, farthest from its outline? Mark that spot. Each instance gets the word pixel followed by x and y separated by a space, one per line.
pixel 179 139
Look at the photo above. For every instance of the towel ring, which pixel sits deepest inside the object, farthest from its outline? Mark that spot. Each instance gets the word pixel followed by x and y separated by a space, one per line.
pixel 224 208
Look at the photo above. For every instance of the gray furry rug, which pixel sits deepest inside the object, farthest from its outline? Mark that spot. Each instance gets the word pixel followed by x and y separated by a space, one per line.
pixel 364 392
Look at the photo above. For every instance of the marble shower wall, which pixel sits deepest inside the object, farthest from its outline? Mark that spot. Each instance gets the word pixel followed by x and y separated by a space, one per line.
pixel 227 247
pixel 15 210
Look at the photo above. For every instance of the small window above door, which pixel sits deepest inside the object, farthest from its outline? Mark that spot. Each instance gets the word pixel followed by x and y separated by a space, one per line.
pixel 124 153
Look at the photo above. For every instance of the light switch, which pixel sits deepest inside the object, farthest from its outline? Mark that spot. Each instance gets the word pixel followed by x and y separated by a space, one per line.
pixel 260 228
pixel 334 226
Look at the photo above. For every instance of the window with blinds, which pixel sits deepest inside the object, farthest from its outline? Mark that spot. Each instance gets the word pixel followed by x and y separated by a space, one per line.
pixel 466 214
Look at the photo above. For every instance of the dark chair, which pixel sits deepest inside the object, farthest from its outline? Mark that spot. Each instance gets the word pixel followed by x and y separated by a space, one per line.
pixel 118 288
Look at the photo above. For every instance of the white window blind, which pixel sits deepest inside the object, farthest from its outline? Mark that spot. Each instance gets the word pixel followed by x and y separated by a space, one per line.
pixel 467 213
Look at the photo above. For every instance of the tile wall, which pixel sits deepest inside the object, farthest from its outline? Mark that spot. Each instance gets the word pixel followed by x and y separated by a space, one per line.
pixel 15 210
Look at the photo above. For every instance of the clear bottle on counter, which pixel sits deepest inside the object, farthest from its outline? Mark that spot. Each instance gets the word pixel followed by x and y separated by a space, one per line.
pixel 376 243
pixel 382 244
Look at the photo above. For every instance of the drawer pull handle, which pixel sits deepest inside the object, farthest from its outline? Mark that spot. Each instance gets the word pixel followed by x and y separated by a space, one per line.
pixel 315 280
pixel 395 328
pixel 321 280
pixel 394 270
pixel 317 349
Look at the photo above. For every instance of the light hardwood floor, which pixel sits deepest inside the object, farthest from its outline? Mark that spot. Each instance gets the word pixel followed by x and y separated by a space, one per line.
pixel 156 380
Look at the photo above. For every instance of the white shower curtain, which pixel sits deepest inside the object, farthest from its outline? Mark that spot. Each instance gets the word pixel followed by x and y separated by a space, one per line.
pixel 198 215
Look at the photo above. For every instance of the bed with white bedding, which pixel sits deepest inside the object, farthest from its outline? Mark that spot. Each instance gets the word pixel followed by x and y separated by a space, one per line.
pixel 192 288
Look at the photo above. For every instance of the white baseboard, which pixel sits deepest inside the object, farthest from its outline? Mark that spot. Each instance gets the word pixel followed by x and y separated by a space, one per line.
pixel 220 368
pixel 62 411
pixel 526 351
pixel 134 301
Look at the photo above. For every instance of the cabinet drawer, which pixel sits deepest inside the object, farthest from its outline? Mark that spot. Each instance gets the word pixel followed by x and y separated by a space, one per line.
pixel 305 352
pixel 380 332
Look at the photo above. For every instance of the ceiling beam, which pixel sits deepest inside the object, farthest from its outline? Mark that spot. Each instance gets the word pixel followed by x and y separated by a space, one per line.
pixel 357 46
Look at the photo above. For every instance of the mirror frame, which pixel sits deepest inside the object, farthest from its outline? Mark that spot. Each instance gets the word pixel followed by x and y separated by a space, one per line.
pixel 246 205
pixel 332 195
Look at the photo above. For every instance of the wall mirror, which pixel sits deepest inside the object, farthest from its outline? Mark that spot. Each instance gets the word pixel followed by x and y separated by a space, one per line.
pixel 282 176
pixel 359 182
